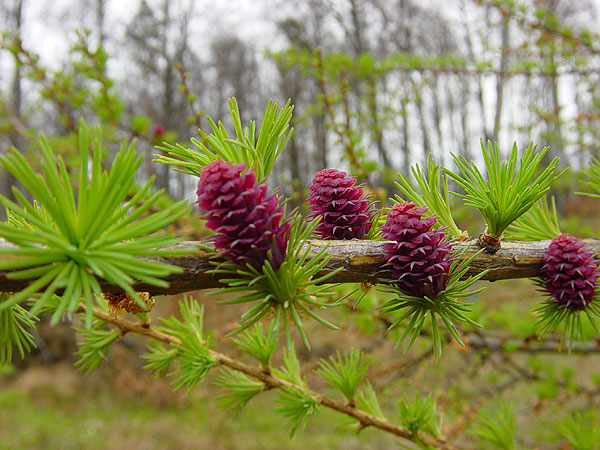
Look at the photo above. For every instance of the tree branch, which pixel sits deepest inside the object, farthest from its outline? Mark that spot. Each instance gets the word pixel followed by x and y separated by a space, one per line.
pixel 361 262
pixel 365 419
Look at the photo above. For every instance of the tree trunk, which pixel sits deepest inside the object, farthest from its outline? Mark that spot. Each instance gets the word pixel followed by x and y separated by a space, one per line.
pixel 501 78
pixel 7 180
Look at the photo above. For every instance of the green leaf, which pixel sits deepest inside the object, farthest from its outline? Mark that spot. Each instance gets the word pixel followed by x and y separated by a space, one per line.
pixel 15 325
pixel 193 353
pixel 141 124
pixel 433 193
pixel 159 358
pixel 445 306
pixel 593 179
pixel 367 401
pixel 497 429
pixel 94 345
pixel 540 222
pixel 291 368
pixel 508 192
pixel 296 406
pixel 552 315
pixel 420 416
pixel 256 344
pixel 580 430
pixel 283 295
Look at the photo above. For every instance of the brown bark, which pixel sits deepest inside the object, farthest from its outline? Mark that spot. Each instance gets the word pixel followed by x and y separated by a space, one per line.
pixel 362 262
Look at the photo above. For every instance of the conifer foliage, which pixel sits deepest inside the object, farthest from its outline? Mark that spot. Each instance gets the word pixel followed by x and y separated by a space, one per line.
pixel 67 240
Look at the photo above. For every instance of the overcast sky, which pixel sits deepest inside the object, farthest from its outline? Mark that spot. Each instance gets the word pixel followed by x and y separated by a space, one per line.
pixel 48 24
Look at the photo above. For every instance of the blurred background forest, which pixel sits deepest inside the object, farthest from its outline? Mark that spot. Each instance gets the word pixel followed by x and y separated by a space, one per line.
pixel 377 85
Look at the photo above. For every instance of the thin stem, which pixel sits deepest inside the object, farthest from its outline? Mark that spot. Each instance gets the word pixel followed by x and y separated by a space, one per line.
pixel 365 419
pixel 196 113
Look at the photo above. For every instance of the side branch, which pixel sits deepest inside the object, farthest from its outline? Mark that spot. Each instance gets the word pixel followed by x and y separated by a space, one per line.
pixel 361 261
pixel 270 381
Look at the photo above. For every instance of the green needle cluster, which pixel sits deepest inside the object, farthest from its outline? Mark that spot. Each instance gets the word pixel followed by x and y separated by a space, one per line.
pixel 445 306
pixel 15 325
pixel 508 192
pixel 345 374
pixel 66 240
pixel 288 293
pixel 257 151
pixel 432 192
pixel 540 222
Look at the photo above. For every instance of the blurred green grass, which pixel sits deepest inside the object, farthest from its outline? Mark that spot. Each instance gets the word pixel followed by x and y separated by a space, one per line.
pixel 106 420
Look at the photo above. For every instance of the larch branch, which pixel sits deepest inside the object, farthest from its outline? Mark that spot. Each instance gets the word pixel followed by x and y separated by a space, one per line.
pixel 365 419
pixel 361 262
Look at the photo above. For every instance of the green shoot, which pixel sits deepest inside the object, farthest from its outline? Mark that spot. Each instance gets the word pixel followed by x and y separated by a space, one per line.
pixel 445 306
pixel 593 179
pixel 498 429
pixel 581 430
pixel 508 192
pixel 238 389
pixel 256 344
pixel 94 345
pixel 296 406
pixel 258 152
pixel 537 224
pixel 294 290
pixel 420 416
pixel 345 374
pixel 291 369
pixel 159 358
pixel 67 241
pixel 552 315
pixel 15 323
pixel 193 354
pixel 433 193
pixel 367 401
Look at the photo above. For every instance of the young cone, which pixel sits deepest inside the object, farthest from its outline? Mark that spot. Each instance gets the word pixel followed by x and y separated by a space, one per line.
pixel 418 258
pixel 344 209
pixel 248 221
pixel 570 272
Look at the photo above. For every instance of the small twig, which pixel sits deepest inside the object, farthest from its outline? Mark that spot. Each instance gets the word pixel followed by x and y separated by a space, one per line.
pixel 196 114
pixel 399 368
pixel 481 339
pixel 365 419
pixel 522 20
pixel 49 85
pixel 343 132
